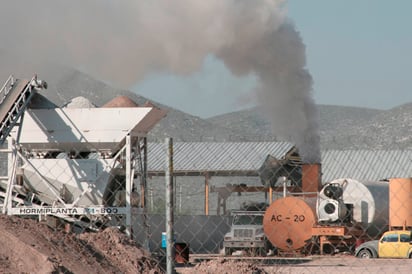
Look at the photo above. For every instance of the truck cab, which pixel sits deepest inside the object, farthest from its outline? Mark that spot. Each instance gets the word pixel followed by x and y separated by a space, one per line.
pixel 246 233
pixel 392 244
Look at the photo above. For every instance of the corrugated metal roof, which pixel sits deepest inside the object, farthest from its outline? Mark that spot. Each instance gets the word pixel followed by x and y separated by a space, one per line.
pixel 366 165
pixel 213 156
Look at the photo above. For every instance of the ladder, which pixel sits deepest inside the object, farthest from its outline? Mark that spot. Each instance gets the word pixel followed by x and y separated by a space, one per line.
pixel 15 96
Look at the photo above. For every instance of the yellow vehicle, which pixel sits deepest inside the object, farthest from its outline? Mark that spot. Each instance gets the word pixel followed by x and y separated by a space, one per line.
pixel 392 244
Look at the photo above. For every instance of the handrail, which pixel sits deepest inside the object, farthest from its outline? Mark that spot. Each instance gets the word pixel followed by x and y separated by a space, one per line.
pixel 5 88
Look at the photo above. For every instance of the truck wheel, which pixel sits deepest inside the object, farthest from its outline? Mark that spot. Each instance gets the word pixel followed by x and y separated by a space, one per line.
pixel 228 251
pixel 257 252
pixel 254 251
pixel 365 254
pixel 261 252
pixel 410 256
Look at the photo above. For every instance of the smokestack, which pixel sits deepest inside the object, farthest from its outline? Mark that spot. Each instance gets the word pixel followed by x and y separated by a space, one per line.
pixel 311 178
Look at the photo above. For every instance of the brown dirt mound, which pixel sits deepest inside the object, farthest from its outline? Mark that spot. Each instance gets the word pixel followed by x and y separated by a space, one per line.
pixel 120 250
pixel 32 247
pixel 120 101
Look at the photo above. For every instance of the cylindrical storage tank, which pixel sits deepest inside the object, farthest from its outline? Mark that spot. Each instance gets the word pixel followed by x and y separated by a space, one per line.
pixel 120 101
pixel 367 201
pixel 400 202
pixel 288 223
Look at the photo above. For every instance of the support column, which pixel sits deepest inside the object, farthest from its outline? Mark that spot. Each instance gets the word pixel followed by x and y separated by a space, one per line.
pixel 144 172
pixel 11 173
pixel 128 183
pixel 270 195
pixel 206 194
pixel 144 193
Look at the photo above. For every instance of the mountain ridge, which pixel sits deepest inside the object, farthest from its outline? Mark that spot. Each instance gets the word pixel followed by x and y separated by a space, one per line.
pixel 340 127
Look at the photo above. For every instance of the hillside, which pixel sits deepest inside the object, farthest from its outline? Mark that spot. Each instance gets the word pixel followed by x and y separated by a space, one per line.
pixel 67 84
pixel 357 128
pixel 341 127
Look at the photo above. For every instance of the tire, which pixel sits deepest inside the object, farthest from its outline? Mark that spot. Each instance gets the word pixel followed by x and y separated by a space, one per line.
pixel 364 254
pixel 253 251
pixel 262 252
pixel 228 251
pixel 410 255
pixel 257 252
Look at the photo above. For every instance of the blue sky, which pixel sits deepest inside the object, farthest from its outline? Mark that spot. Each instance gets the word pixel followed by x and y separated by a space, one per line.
pixel 358 52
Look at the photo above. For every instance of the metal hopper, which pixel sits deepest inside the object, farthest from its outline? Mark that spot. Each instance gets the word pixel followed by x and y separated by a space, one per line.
pixel 70 154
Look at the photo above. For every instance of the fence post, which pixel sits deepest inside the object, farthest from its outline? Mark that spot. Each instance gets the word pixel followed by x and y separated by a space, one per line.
pixel 169 208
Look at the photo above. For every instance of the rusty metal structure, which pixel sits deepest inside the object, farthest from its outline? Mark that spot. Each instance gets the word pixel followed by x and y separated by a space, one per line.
pixel 341 214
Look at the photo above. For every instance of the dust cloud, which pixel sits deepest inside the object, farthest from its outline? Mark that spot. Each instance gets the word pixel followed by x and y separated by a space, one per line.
pixel 121 42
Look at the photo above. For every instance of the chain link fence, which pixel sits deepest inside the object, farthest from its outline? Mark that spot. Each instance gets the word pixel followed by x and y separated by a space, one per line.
pixel 202 207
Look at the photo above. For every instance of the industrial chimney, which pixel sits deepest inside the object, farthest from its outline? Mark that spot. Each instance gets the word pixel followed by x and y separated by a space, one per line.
pixel 311 177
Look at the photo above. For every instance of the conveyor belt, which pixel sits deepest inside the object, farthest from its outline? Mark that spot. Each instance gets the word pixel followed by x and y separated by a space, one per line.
pixel 14 98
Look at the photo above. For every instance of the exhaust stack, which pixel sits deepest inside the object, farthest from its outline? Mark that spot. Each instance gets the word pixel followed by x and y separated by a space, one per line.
pixel 311 177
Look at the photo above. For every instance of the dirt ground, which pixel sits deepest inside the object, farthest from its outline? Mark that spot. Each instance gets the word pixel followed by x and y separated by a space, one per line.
pixel 338 264
pixel 28 246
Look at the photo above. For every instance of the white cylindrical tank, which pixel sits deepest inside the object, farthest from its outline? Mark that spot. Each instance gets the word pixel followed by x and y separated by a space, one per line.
pixel 83 180
pixel 365 204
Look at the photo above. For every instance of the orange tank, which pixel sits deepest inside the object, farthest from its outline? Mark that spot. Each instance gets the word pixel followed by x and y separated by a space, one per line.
pixel 120 101
pixel 288 223
pixel 400 202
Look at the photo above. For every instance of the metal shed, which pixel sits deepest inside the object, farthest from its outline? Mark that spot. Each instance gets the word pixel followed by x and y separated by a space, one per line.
pixel 217 159
pixel 245 159
pixel 366 165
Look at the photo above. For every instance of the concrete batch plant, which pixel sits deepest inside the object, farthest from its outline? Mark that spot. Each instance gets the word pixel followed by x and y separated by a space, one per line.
pixel 70 162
